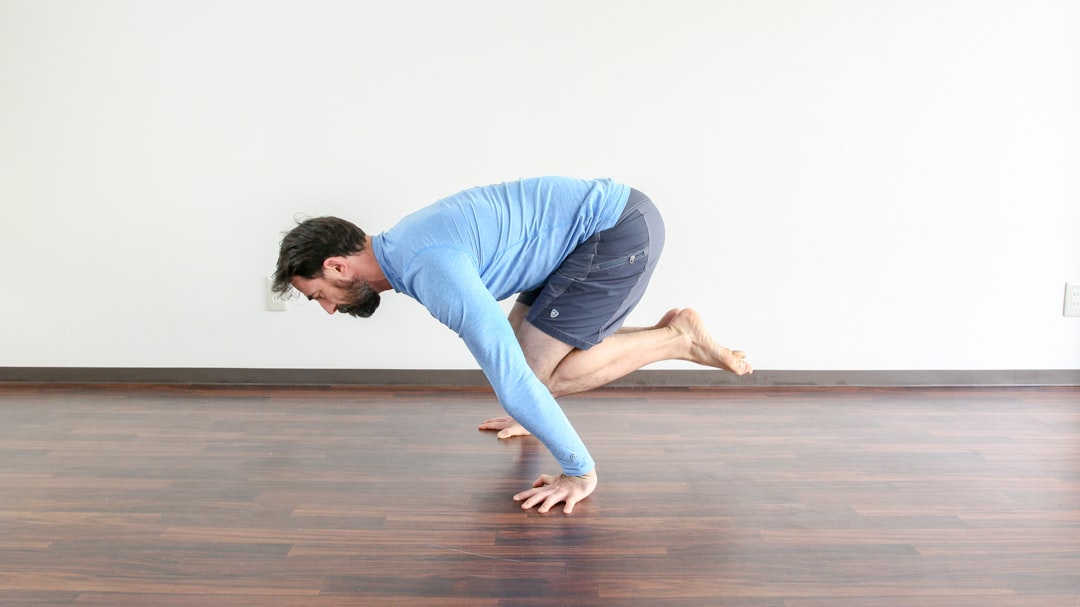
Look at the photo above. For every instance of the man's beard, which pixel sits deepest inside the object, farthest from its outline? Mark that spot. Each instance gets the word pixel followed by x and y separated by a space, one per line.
pixel 361 299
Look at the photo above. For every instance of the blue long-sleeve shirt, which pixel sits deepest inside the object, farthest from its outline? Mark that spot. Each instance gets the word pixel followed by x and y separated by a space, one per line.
pixel 461 255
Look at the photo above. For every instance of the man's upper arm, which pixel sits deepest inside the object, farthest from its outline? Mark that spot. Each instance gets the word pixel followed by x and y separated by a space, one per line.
pixel 448 284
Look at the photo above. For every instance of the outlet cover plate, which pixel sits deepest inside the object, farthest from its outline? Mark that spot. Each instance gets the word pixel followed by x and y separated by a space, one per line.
pixel 1072 299
pixel 274 302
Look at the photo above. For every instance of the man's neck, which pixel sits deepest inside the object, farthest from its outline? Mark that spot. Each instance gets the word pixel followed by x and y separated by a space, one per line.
pixel 367 265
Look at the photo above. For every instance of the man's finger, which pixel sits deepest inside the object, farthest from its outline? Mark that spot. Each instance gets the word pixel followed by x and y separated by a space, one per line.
pixel 532 501
pixel 550 502
pixel 514 430
pixel 494 422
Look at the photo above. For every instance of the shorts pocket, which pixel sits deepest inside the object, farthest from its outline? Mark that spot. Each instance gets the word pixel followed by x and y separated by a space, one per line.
pixel 633 258
pixel 579 263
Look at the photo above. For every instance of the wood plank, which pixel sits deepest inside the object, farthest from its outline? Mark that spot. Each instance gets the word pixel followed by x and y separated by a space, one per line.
pixel 174 495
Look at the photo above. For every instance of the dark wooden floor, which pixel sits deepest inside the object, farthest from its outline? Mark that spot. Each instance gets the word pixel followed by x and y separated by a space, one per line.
pixel 122 496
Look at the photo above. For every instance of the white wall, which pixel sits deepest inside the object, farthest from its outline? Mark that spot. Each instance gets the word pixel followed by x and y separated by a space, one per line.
pixel 861 184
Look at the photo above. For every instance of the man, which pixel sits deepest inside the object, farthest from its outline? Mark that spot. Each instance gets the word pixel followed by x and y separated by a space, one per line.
pixel 579 254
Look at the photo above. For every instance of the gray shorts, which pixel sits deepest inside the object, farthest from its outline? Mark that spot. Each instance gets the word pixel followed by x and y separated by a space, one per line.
pixel 594 289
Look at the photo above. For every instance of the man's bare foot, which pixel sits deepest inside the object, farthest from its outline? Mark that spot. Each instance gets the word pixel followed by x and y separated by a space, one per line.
pixel 667 318
pixel 703 348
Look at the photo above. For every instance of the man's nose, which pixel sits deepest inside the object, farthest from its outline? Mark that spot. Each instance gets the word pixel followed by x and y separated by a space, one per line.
pixel 329 307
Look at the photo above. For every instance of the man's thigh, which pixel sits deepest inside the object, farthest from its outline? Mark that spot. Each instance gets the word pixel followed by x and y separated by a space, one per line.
pixel 542 351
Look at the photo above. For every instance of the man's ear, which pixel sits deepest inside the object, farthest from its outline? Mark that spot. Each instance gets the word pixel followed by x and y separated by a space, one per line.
pixel 335 264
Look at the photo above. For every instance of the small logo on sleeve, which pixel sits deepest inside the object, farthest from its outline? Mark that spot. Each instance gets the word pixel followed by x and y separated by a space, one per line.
pixel 554 313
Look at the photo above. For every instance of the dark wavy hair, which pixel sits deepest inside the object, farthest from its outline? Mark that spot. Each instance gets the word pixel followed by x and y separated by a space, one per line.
pixel 305 248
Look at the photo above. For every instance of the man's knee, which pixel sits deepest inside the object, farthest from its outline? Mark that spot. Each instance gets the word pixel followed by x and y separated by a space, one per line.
pixel 551 380
pixel 560 389
pixel 547 375
pixel 543 354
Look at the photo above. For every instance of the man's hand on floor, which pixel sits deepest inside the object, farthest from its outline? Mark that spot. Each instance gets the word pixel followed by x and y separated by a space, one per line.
pixel 550 490
pixel 506 426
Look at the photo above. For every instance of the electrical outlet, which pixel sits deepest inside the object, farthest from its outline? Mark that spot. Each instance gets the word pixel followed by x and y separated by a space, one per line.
pixel 1072 299
pixel 274 302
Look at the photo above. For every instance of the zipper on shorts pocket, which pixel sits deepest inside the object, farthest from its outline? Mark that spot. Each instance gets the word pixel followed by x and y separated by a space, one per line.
pixel 631 258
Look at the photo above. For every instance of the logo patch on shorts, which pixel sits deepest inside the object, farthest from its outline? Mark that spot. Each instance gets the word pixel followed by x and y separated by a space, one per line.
pixel 554 313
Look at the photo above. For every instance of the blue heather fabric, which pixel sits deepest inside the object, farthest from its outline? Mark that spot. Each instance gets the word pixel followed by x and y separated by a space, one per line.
pixel 461 255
